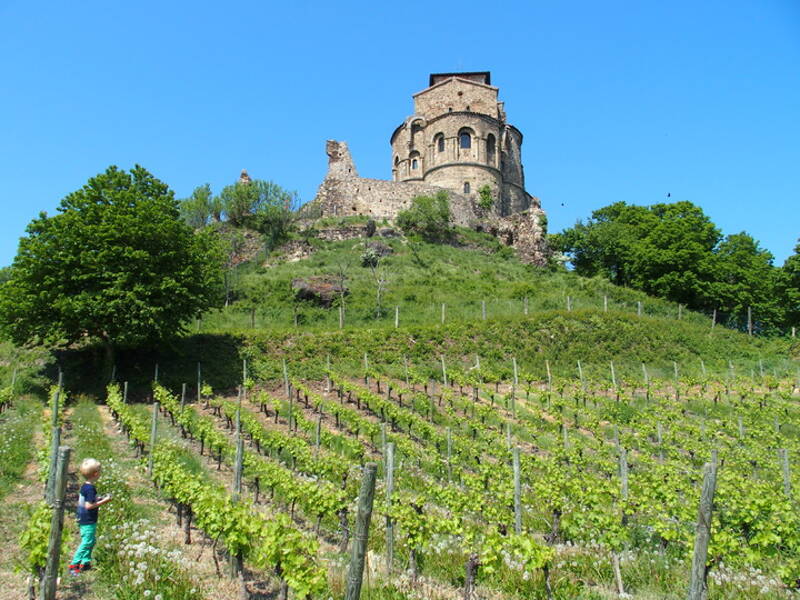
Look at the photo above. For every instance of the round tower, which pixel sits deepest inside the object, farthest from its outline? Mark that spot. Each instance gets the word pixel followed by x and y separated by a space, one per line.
pixel 458 139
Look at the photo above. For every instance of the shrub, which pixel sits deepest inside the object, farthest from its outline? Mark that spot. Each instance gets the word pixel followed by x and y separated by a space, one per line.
pixel 428 217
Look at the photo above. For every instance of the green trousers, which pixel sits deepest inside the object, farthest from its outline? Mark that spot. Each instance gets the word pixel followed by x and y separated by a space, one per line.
pixel 83 555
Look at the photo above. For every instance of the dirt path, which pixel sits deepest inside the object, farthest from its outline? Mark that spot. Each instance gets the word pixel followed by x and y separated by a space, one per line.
pixel 26 493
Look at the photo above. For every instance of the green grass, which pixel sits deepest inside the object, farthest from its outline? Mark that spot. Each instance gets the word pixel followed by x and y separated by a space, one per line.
pixel 17 425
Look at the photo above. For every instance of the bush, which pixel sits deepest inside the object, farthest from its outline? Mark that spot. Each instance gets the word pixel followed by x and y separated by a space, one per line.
pixel 428 217
pixel 486 200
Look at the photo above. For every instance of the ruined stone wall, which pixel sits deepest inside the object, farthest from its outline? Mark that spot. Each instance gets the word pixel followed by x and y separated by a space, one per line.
pixel 342 194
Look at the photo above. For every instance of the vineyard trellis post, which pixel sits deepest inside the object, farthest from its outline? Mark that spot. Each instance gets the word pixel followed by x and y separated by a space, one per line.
pixel 328 374
pixel 341 317
pixel 549 377
pixel 153 433
pixel 749 320
pixel 48 588
pixel 514 366
pixel 525 306
pixel 183 395
pixel 680 311
pixel 508 435
pixel 125 393
pixel 580 376
pixel 646 381
pixel 605 303
pixel 483 310
pixel 741 428
pixel 444 370
pixel 155 374
pixel 449 454
pixel 787 475
pixel 660 438
pixel 355 571
pixel 389 492
pixel 318 432
pixel 238 465
pixel 442 313
pixel 569 304
pixel 55 442
pixel 517 494
pixel 286 387
pixel 713 318
pixel 697 582
pixel 405 368
pixel 199 383
pixel 113 373
pixel 638 308
pixel 396 317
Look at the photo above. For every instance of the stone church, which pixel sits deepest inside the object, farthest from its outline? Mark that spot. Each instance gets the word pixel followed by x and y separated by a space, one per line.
pixel 457 140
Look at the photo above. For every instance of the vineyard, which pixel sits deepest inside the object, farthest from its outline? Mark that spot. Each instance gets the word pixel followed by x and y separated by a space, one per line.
pixel 487 486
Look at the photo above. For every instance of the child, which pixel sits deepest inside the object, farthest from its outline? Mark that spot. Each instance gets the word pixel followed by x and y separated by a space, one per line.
pixel 88 503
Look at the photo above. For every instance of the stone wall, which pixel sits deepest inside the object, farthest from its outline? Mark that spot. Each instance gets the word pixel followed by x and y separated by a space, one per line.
pixel 342 194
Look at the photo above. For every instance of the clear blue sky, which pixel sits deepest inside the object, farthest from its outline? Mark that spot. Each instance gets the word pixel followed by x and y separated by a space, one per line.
pixel 616 100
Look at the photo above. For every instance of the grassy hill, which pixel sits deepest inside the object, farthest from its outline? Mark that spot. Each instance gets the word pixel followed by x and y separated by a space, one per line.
pixel 569 318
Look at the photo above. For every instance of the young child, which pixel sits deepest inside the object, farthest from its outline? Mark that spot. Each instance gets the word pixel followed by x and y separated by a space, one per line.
pixel 88 503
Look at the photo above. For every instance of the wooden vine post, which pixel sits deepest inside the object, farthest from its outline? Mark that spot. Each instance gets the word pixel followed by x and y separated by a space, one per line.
pixel 55 442
pixel 605 303
pixel 153 434
pixel 183 395
pixel 444 371
pixel 646 381
pixel 442 313
pixel 125 393
pixel 483 310
pixel 517 494
pixel 286 387
pixel 199 383
pixel 355 572
pixel 48 588
pixel 389 492
pixel 787 475
pixel 396 317
pixel 525 306
pixel 697 582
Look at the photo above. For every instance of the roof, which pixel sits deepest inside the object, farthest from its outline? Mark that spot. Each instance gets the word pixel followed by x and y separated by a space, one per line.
pixel 479 76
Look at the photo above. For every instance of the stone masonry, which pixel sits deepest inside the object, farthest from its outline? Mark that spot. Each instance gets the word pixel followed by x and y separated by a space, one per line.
pixel 457 140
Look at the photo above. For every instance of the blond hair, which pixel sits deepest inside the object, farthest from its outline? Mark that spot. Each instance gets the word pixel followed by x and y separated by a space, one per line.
pixel 89 467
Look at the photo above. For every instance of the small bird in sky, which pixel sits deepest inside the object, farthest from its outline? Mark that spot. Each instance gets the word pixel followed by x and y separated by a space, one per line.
pixel 668 194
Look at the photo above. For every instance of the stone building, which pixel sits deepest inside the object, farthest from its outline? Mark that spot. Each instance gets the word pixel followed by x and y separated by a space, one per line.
pixel 457 140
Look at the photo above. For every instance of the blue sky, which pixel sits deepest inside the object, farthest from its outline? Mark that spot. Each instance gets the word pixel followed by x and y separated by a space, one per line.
pixel 616 100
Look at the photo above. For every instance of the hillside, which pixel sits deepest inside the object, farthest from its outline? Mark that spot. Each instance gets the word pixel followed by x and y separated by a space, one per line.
pixel 568 318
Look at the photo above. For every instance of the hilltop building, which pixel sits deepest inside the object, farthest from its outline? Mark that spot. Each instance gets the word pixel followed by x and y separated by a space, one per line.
pixel 457 140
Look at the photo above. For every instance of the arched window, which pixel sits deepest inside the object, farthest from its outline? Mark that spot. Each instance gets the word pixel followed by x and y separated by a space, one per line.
pixel 414 156
pixel 414 163
pixel 466 187
pixel 491 149
pixel 464 139
pixel 438 141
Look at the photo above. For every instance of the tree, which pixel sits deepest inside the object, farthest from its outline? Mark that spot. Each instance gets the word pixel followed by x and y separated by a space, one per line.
pixel 201 207
pixel 662 249
pixel 674 251
pixel 428 217
pixel 116 264
pixel 790 287
pixel 744 277
pixel 246 199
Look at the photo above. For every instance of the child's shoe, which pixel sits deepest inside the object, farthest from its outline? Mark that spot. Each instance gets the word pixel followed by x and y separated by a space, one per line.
pixel 74 570
pixel 86 567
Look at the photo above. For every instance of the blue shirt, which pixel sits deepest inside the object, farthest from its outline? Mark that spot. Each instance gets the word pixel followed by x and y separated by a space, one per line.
pixel 88 494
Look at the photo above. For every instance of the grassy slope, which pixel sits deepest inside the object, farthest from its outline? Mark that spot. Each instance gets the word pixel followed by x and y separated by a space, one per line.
pixel 421 278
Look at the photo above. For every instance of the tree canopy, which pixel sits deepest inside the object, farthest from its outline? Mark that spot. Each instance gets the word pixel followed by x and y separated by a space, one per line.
pixel 676 252
pixel 790 286
pixel 116 263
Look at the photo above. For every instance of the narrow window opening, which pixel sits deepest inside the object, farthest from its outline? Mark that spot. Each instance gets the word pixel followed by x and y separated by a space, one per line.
pixel 466 187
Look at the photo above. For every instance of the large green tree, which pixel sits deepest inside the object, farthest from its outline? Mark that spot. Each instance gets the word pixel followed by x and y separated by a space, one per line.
pixel 116 264
pixel 790 287
pixel 663 249
pixel 674 251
